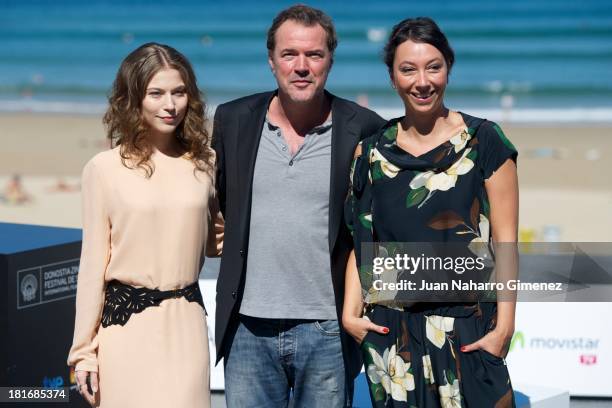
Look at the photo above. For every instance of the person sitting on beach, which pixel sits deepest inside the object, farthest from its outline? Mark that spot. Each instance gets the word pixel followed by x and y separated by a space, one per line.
pixel 61 186
pixel 14 192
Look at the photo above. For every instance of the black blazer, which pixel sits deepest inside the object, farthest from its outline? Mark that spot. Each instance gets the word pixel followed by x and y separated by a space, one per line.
pixel 236 133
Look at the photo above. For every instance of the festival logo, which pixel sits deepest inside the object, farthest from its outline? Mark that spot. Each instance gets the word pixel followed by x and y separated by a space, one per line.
pixel 29 286
pixel 28 289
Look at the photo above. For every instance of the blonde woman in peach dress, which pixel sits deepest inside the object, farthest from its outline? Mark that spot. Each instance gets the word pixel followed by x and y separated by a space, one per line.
pixel 149 212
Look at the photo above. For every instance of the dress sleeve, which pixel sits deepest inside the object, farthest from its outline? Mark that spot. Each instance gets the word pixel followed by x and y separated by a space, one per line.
pixel 351 205
pixel 95 255
pixel 495 149
pixel 357 208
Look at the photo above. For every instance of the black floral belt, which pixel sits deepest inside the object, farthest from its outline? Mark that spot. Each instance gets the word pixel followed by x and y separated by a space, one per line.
pixel 121 301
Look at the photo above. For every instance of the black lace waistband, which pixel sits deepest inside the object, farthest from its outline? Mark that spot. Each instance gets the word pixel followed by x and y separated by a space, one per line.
pixel 121 301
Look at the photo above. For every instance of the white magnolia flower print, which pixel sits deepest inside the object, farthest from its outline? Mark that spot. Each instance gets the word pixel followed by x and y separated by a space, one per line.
pixel 420 179
pixel 427 370
pixel 450 396
pixel 390 170
pixel 461 166
pixel 384 295
pixel 392 372
pixel 436 328
pixel 479 245
pixel 459 141
pixel 484 227
pixel 443 181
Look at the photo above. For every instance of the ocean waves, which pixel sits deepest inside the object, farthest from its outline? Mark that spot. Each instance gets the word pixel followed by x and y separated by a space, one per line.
pixel 533 53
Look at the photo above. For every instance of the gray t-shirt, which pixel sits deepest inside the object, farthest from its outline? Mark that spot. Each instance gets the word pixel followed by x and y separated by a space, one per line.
pixel 288 272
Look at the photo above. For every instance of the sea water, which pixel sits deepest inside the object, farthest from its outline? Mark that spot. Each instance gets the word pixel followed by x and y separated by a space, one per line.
pixel 537 57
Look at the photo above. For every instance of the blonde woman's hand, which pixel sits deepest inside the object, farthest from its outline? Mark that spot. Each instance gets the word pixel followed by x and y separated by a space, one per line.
pixel 81 379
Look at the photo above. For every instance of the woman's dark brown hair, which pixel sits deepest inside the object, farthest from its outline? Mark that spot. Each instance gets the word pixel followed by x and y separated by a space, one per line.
pixel 123 119
pixel 420 30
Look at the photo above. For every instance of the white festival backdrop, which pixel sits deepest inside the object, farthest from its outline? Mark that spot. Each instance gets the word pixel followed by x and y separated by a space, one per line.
pixel 565 346
pixel 209 292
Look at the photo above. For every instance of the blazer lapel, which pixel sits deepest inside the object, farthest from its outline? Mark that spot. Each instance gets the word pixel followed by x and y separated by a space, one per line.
pixel 345 135
pixel 250 125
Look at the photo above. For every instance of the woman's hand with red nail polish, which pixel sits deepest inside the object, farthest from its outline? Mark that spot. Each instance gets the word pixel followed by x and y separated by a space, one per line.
pixel 495 342
pixel 358 327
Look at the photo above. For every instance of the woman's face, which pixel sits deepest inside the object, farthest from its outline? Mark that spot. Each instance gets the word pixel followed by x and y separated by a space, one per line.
pixel 420 75
pixel 165 102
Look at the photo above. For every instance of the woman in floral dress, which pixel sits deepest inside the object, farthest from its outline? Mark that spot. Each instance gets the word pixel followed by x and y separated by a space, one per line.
pixel 434 175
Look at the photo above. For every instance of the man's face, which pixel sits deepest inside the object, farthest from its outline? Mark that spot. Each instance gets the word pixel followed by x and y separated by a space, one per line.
pixel 300 60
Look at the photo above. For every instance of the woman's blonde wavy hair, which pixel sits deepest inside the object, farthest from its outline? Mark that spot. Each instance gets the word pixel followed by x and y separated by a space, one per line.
pixel 124 121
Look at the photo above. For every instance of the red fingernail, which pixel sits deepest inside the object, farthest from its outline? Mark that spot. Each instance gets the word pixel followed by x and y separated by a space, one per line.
pixel 385 330
pixel 463 348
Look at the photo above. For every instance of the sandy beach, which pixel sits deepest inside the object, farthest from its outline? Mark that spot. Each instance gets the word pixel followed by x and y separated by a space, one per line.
pixel 564 173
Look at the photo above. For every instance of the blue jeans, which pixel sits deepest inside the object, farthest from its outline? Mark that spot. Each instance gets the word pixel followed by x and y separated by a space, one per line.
pixel 280 363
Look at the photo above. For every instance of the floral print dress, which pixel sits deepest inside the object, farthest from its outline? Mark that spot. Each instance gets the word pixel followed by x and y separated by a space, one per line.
pixel 438 196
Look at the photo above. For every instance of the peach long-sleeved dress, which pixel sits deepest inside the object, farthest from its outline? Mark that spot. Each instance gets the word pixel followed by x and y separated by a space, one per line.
pixel 153 233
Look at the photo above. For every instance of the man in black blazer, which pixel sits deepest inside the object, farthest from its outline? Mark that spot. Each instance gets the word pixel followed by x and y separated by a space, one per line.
pixel 283 162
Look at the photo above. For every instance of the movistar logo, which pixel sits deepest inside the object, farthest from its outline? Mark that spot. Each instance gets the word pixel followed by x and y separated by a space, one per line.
pixel 517 338
pixel 551 343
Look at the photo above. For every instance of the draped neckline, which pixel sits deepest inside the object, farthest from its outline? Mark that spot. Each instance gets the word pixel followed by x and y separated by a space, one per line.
pixel 439 157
